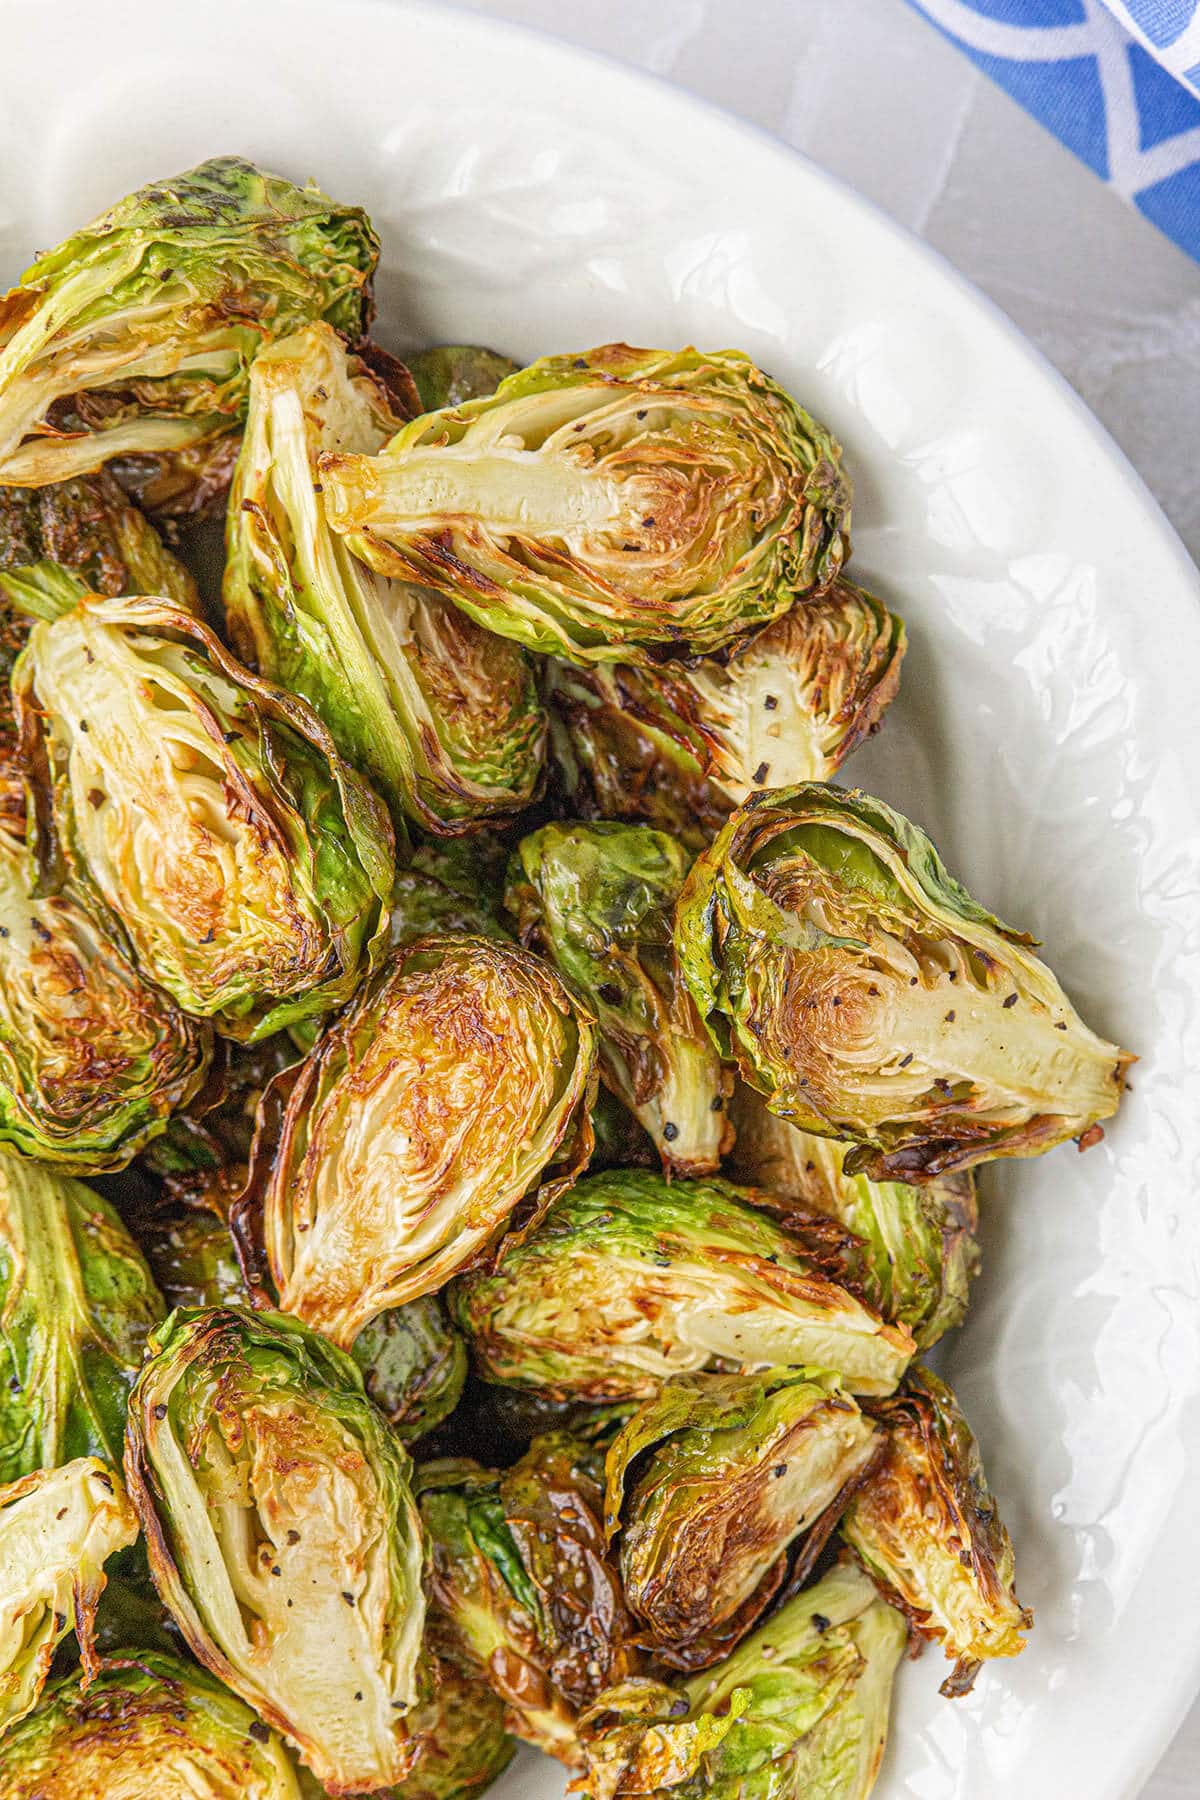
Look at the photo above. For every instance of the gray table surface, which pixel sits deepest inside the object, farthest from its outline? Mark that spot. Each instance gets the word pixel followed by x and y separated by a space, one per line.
pixel 909 122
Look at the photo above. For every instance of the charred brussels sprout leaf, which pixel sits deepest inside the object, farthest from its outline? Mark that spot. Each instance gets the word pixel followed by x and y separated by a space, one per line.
pixel 77 1304
pixel 524 1590
pixel 420 1121
pixel 150 1725
pixel 723 1488
pixel 865 994
pixel 93 1059
pixel 443 717
pixel 451 373
pixel 692 740
pixel 452 886
pixel 282 1534
pixel 605 505
pixel 911 1250
pixel 611 762
pixel 800 1710
pixel 596 901
pixel 58 1527
pixel 203 1152
pixel 462 1743
pixel 927 1530
pixel 630 1279
pixel 205 813
pixel 85 529
pixel 135 336
pixel 413 1364
pixel 192 1257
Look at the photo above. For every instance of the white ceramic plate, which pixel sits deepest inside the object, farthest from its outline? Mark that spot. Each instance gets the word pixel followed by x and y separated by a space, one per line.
pixel 536 199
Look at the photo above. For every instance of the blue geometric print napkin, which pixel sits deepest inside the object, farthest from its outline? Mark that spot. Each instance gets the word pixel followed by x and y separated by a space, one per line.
pixel 1124 96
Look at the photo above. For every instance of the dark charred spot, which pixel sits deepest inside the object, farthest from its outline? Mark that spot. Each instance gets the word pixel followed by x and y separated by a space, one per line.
pixel 95 798
pixel 276 1570
pixel 631 546
pixel 642 415
pixel 61 1513
pixel 950 1016
pixel 780 1469
pixel 259 1732
pixel 293 1537
pixel 358 1694
pixel 905 1060
pixel 953 975
pixel 648 522
pixel 912 981
pixel 837 999
pixel 670 1132
pixel 770 702
pixel 347 1597
pixel 761 773
pixel 83 725
pixel 1061 1025
pixel 60 1619
pixel 160 1411
pixel 717 1104
pixel 1011 1001
pixel 609 993
pixel 580 362
pixel 820 1622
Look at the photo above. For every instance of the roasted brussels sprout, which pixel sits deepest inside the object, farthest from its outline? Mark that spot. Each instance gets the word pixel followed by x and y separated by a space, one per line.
pixel 523 1588
pixel 148 1725
pixel 607 505
pixel 58 1527
pixel 77 1304
pixel 927 1530
pixel 192 1257
pixel 709 1484
pixel 93 1059
pixel 692 740
pixel 459 1730
pixel 452 885
pixel 203 1152
pixel 800 1710
pixel 181 486
pixel 610 763
pixel 85 529
pixel 443 717
pixel 451 373
pixel 263 1476
pixel 413 1365
pixel 135 336
pixel 205 813
pixel 596 901
pixel 912 1251
pixel 630 1279
pixel 425 1115
pixel 864 993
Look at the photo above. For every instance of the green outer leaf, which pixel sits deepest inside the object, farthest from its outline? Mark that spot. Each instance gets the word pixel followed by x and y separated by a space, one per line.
pixel 77 1304
pixel 413 1364
pixel 576 591
pixel 596 901
pixel 144 1714
pixel 656 1279
pixel 337 833
pixel 444 718
pixel 882 892
pixel 464 1745
pixel 204 1370
pixel 93 1059
pixel 451 373
pixel 167 298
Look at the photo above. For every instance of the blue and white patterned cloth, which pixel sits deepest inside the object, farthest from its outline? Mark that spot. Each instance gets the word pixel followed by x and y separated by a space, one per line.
pixel 1117 80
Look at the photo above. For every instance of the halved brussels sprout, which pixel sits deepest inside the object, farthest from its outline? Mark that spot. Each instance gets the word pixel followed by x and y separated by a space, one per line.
pixel 93 1059
pixel 865 994
pixel 148 1725
pixel 723 1489
pixel 927 1530
pixel 413 1365
pixel 608 504
pixel 462 1742
pixel 451 373
pixel 798 1712
pixel 443 717
pixel 424 1116
pixel 596 901
pixel 136 335
pixel 524 1590
pixel 611 763
pixel 58 1527
pixel 88 530
pixel 787 704
pixel 630 1279
pixel 205 812
pixel 282 1534
pixel 77 1304
pixel 911 1250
